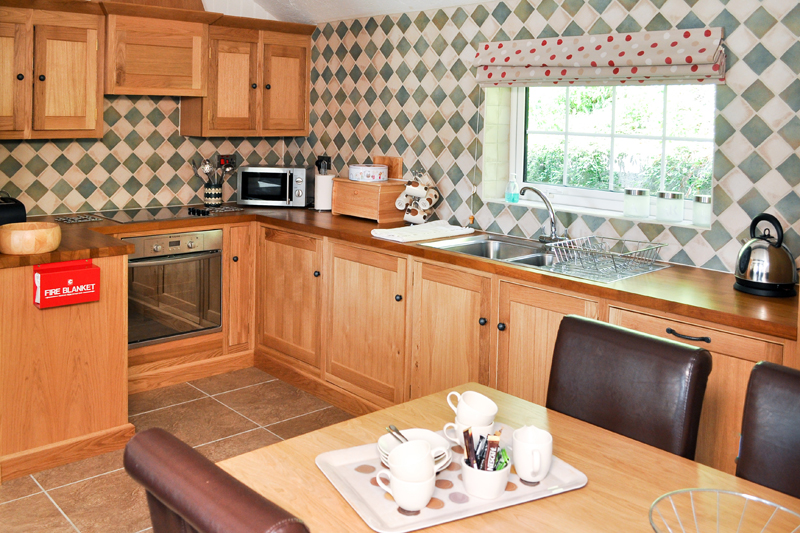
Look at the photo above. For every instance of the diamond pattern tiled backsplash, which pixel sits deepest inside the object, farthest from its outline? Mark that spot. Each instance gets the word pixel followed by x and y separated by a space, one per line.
pixel 142 161
pixel 400 85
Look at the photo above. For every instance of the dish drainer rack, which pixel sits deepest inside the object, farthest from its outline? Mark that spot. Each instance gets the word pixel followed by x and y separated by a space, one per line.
pixel 604 258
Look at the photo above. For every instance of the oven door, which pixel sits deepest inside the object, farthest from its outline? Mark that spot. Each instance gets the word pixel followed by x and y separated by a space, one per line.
pixel 174 296
pixel 265 186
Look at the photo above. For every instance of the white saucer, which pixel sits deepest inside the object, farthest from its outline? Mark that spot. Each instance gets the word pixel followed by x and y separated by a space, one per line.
pixel 388 442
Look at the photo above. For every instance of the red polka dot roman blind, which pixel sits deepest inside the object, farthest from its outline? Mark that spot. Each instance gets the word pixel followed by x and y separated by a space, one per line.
pixel 653 57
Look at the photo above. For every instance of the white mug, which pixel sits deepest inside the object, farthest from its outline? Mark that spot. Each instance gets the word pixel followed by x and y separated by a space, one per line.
pixel 532 453
pixel 458 428
pixel 485 484
pixel 416 189
pixel 415 214
pixel 474 409
pixel 413 460
pixel 431 197
pixel 410 495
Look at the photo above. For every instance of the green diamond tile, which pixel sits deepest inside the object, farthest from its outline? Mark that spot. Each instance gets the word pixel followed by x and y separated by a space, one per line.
pixel 340 96
pixel 457 95
pixel 455 174
pixel 572 30
pixel 419 95
pixel 722 166
pixel 356 27
pixel 154 162
pixel 132 163
pixel 495 209
pixel 456 122
pixel 438 95
pixel 682 235
pixel 756 131
pixel 404 22
pixel 627 4
pixel 353 142
pixel 760 22
pixel 759 58
pixel 725 95
pixel 62 164
pixel 341 52
pixel 132 186
pixel 402 95
pixel 403 46
pixel 326 97
pixel 475 122
pixel 440 19
pixel 384 144
pixel 133 140
pixel 385 96
pixel 196 183
pixel 501 36
pixel 621 226
pixel 421 46
pixel 459 17
pixel 326 118
pixel 439 45
pixel 86 144
pixel 110 163
pixel 155 139
pixel 369 119
pixel 134 117
pixel 657 23
pixel 573 6
pixel 728 22
pixel 176 161
pixel 401 145
pixel 61 210
pixel 454 200
pixel 109 187
pixel 717 236
pixel 548 32
pixel 791 95
pixel 403 71
pixel 371 26
pixel 327 53
pixel 327 75
pixel 547 8
pixel 36 165
pixel 327 31
pixel 61 189
pixel 524 9
pixel 791 133
pixel 355 51
pixel 11 189
pixel 477 40
pixel 341 74
pixel 753 203
pixel 479 15
pixel 419 121
pixel 459 43
pixel 754 167
pixel 420 71
pixel 369 142
pixel 501 12
pixel 439 70
pixel 339 141
pixel 418 145
pixel 339 118
pixel 651 231
pixel 36 211
pixel 86 188
pixel 341 30
pixel 682 258
pixel 792 57
pixel 720 200
pixel 792 20
pixel 757 95
pixel 86 164
pixel 111 116
pixel 354 119
pixel 155 116
pixel 790 170
pixel 437 121
pixel 456 148
pixel 132 204
pixel 387 24
pixel 175 117
pixel 10 166
pixel 722 130
pixel 386 72
pixel 371 49
pixel 175 139
pixel 61 144
pixel 690 21
pixel 599 5
pixel 370 96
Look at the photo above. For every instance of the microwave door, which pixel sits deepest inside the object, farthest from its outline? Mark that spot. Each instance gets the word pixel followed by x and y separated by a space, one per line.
pixel 266 187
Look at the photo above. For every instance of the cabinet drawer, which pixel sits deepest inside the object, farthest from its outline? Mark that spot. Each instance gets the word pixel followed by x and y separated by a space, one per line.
pixel 374 201
pixel 722 342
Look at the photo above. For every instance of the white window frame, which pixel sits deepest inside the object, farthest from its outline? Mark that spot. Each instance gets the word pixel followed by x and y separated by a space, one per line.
pixel 577 199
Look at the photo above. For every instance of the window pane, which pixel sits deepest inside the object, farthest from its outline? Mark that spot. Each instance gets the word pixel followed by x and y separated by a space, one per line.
pixel 637 163
pixel 545 159
pixel 688 167
pixel 640 110
pixel 547 108
pixel 690 111
pixel 590 109
pixel 588 162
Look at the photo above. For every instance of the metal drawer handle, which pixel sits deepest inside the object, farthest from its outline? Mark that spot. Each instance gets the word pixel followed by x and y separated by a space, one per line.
pixel 482 321
pixel 688 337
pixel 501 326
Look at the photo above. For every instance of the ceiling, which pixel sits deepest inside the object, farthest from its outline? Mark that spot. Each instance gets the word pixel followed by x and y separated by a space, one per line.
pixel 317 11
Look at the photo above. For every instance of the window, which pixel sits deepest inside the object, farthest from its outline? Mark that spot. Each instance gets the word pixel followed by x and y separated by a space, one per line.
pixel 584 145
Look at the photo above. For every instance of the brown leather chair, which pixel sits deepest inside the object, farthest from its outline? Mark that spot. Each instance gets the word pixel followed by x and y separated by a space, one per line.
pixel 769 452
pixel 187 493
pixel 644 387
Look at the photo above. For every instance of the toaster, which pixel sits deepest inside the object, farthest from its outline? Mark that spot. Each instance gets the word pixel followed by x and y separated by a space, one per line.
pixel 11 210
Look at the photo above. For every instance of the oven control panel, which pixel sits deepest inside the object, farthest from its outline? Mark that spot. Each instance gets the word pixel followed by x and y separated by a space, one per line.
pixel 175 243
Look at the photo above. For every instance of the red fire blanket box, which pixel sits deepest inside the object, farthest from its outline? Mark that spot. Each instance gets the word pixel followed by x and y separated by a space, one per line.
pixel 66 283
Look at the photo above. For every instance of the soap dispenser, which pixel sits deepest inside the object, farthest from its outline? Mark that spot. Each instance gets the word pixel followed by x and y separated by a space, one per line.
pixel 512 190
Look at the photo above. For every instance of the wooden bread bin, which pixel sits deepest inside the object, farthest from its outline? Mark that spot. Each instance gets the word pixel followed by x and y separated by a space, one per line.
pixel 372 200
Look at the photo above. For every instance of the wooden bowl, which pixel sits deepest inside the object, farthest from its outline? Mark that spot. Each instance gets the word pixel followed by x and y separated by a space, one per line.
pixel 28 238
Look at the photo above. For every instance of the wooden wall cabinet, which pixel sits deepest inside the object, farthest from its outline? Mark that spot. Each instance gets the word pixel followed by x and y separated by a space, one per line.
pixel 529 318
pixel 451 328
pixel 286 98
pixel 51 74
pixel 290 287
pixel 150 56
pixel 365 323
pixel 733 356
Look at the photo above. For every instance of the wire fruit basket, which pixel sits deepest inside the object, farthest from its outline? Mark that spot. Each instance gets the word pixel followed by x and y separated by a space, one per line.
pixel 719 511
pixel 604 254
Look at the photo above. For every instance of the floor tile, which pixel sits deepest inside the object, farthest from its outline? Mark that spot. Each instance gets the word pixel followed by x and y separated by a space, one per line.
pixel 310 422
pixel 113 502
pixel 34 514
pixel 164 397
pixel 79 470
pixel 232 380
pixel 271 402
pixel 237 445
pixel 195 422
pixel 17 488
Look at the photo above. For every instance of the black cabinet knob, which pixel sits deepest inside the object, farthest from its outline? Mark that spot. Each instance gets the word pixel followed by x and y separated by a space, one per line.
pixel 268 86
pixel 254 86
pixel 20 77
pixel 398 298
pixel 316 273
pixel 482 321
pixel 235 258
pixel 501 326
pixel 41 77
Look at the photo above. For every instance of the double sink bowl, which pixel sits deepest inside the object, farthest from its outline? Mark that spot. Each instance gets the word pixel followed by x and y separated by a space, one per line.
pixel 499 248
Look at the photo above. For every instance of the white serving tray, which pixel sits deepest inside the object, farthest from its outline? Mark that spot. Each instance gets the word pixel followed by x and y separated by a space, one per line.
pixel 352 470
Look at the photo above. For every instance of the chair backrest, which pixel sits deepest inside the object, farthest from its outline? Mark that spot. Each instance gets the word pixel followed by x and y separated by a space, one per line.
pixel 187 493
pixel 631 383
pixel 769 452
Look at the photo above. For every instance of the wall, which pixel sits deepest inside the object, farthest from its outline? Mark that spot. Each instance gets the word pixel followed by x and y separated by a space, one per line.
pixel 142 161
pixel 400 85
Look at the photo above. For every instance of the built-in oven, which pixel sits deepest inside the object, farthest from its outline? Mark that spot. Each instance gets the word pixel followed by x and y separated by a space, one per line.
pixel 174 286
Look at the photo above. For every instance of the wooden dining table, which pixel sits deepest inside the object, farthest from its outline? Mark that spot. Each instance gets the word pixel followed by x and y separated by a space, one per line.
pixel 625 476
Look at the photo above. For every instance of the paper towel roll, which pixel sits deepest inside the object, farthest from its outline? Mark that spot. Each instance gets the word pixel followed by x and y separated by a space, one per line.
pixel 323 192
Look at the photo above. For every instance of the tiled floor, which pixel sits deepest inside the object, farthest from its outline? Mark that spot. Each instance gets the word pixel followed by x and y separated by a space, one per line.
pixel 221 416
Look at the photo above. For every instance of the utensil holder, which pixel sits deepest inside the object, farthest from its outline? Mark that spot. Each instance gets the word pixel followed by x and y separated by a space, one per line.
pixel 212 197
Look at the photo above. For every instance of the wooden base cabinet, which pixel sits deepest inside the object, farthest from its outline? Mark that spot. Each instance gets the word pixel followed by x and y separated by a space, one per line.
pixel 450 328
pixel 289 285
pixel 733 356
pixel 529 318
pixel 365 323
pixel 239 283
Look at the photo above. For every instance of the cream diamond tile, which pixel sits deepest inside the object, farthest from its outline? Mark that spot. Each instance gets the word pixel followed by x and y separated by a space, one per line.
pixel 778 40
pixel 776 113
pixel 736 184
pixel 773 187
pixel 226 148
pixel 741 41
pixel 529 224
pixel 165 151
pixel 673 10
pixel 74 152
pixel 187 150
pixel 143 151
pixel 48 202
pixel 121 175
pixel 185 172
pixel 429 83
pixel 23 179
pixel 24 152
pixel 672 245
pixel 483 217
pixel 394 35
pixel 778 76
pixel 167 105
pixel 166 128
pixel 122 128
pixel 506 221
pixel 98 151
pixel 462 213
pixel 361 154
pixel 734 219
pixel 165 173
pixel 699 251
pixel 738 112
pixel 740 77
pixel 145 128
pixel 777 8
pixel 143 196
pixel 145 106
pixel 122 104
pixel 74 176
pixel 775 150
pixel 742 9
pixel 445 186
pixel 728 254
pixel 464 188
pixel 27 201
pixel 74 200
pixel 430 57
pixel 614 14
pixel 577 229
pixel 635 234
pixel 207 149
pixel 98 175
pixel 707 10
pixel 737 148
pixel 98 199
pixel 49 177
pixel 186 194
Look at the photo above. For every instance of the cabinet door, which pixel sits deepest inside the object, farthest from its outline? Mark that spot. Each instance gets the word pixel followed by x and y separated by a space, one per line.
pixel 16 51
pixel 732 359
pixel 449 346
pixel 529 321
pixel 289 278
pixel 239 289
pixel 66 63
pixel 233 81
pixel 366 323
pixel 156 57
pixel 286 89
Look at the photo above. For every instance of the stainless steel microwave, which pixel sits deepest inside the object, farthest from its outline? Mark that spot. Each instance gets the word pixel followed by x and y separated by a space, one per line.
pixel 275 186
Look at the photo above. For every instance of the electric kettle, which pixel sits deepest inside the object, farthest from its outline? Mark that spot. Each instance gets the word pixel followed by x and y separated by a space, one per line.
pixel 765 266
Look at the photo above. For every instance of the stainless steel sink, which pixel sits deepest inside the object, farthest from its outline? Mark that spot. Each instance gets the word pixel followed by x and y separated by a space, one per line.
pixel 496 247
pixel 535 260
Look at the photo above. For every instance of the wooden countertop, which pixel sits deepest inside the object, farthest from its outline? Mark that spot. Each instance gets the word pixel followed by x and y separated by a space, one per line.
pixel 691 292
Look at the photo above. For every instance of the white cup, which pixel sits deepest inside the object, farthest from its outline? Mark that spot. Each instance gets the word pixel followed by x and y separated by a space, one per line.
pixel 532 453
pixel 474 409
pixel 458 428
pixel 410 495
pixel 484 484
pixel 413 460
pixel 416 189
